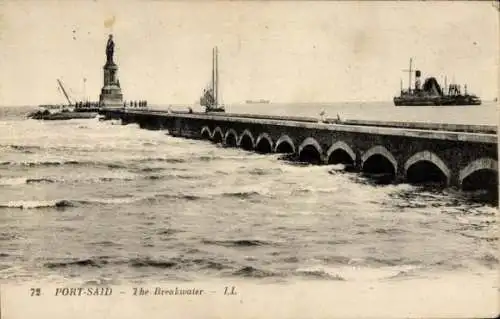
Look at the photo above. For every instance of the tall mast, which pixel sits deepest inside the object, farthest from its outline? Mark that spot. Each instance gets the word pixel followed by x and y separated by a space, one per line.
pixel 216 76
pixel 213 74
pixel 84 89
pixel 64 91
pixel 409 75
pixel 213 70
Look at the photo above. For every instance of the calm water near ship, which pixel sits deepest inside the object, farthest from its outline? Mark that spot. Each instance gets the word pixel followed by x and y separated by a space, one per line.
pixel 97 201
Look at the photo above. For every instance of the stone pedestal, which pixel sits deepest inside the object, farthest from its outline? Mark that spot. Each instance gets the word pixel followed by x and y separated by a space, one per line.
pixel 111 93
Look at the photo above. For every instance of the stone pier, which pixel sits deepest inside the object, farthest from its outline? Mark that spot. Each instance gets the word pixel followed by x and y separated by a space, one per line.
pixel 454 155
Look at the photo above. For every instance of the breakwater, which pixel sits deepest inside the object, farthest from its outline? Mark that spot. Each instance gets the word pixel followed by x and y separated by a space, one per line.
pixel 463 156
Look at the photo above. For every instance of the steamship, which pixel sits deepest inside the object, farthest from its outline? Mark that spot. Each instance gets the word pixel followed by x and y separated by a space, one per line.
pixel 77 110
pixel 431 93
pixel 260 101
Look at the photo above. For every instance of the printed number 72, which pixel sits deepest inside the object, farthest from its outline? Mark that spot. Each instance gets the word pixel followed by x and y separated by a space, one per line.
pixel 35 291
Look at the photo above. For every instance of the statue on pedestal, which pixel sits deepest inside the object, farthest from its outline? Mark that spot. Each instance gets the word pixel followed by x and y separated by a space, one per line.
pixel 110 48
pixel 111 94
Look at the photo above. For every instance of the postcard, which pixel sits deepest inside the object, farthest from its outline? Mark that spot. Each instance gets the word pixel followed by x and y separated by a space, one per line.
pixel 249 159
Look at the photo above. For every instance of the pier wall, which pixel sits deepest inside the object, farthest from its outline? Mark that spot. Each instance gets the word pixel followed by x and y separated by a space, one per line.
pixel 464 157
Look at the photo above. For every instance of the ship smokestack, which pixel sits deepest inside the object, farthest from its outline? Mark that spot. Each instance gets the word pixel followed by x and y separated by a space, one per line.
pixel 417 80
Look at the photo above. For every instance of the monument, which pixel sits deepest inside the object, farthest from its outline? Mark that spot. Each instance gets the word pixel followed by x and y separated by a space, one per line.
pixel 111 93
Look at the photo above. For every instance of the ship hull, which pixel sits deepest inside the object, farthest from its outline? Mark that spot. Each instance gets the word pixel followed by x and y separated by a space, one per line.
pixel 218 109
pixel 64 116
pixel 440 100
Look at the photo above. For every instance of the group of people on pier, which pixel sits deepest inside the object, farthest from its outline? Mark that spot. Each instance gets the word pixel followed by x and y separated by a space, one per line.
pixel 86 105
pixel 143 103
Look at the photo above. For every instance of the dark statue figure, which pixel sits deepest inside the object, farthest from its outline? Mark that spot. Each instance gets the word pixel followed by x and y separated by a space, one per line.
pixel 110 48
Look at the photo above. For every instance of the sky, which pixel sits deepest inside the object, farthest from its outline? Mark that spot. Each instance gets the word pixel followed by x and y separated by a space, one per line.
pixel 294 51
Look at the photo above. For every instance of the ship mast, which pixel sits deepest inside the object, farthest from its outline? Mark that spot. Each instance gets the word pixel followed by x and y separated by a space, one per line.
pixel 409 75
pixel 216 91
pixel 85 89
pixel 213 70
pixel 64 91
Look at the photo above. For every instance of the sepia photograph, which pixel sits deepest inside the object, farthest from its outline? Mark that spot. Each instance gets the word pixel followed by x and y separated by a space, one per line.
pixel 249 159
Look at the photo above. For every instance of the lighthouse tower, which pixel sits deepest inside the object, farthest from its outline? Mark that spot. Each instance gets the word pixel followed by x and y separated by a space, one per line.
pixel 111 93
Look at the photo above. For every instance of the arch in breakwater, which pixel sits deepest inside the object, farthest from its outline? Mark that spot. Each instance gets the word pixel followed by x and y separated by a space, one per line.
pixel 231 138
pixel 246 141
pixel 205 133
pixel 310 151
pixel 264 143
pixel 284 145
pixel 378 160
pixel 482 172
pixel 340 152
pixel 426 166
pixel 217 135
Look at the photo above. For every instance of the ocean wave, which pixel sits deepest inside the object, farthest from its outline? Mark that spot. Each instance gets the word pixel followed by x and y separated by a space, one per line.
pixel 9 236
pixel 106 243
pixel 50 163
pixel 42 163
pixel 111 179
pixel 318 274
pixel 151 169
pixel 169 231
pixel 375 261
pixel 148 262
pixel 13 181
pixel 137 262
pixel 333 169
pixel 88 262
pixel 205 196
pixel 37 204
pixel 39 180
pixel 206 158
pixel 237 242
pixel 177 263
pixel 62 203
pixel 10 181
pixel 111 201
pixel 489 260
pixel 155 177
pixel 171 176
pixel 178 196
pixel 27 149
pixel 388 231
pixel 262 171
pixel 250 271
pixel 404 274
pixel 114 165
pixel 241 194
pixel 161 159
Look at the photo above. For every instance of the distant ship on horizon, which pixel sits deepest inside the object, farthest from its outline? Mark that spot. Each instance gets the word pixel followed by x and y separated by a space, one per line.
pixel 431 93
pixel 260 101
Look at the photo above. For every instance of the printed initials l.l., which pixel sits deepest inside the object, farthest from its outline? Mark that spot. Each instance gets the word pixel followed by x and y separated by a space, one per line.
pixel 230 292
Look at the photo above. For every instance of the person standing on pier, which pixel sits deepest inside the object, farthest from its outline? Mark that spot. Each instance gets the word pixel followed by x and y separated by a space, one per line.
pixel 322 114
